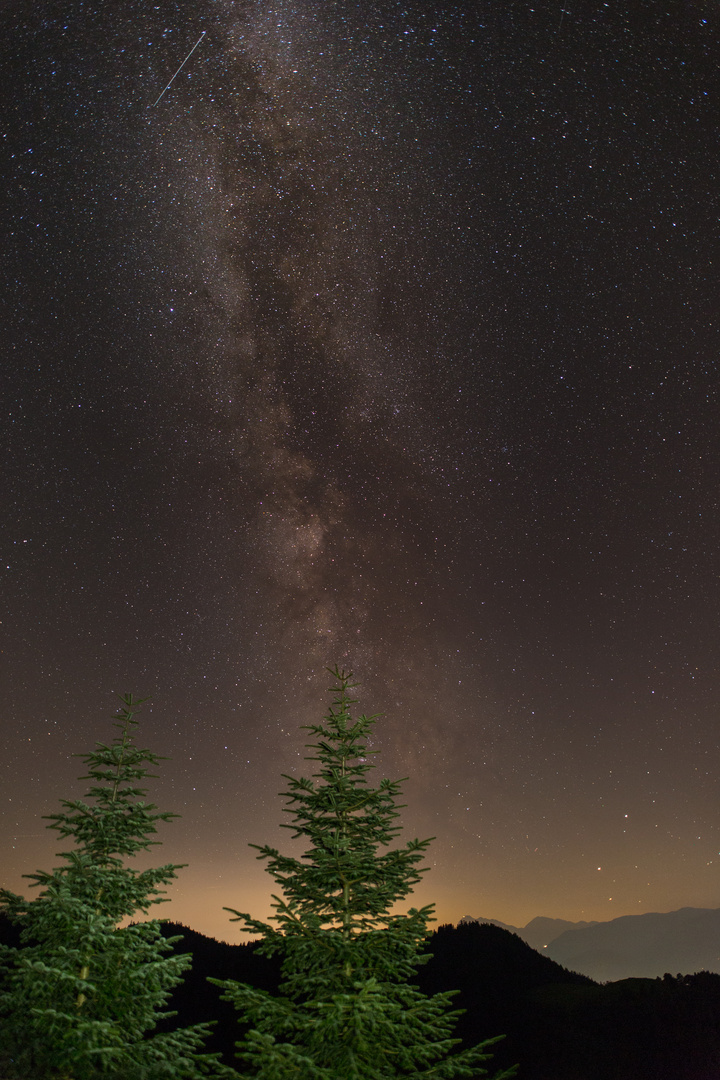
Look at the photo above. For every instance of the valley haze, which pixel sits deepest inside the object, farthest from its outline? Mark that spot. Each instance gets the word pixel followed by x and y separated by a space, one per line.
pixel 632 946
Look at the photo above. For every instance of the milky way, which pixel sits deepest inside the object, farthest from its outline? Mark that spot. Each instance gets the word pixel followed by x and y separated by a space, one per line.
pixel 386 336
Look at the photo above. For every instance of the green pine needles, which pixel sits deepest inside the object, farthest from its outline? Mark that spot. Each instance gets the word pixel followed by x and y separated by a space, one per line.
pixel 82 994
pixel 347 1009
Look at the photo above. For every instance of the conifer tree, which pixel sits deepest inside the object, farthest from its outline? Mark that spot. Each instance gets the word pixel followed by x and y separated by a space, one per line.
pixel 347 1009
pixel 80 997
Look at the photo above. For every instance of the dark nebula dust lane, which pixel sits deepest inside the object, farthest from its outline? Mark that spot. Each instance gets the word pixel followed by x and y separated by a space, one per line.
pixel 378 334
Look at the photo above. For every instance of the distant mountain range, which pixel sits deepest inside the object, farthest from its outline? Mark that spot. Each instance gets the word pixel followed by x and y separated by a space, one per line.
pixel 539 932
pixel 632 946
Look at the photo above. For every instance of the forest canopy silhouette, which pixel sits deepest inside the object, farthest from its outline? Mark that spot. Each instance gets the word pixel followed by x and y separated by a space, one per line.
pixel 339 985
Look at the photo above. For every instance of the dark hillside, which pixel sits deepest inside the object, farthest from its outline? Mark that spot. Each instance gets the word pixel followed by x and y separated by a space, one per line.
pixel 496 972
pixel 197 1000
pixel 563 1026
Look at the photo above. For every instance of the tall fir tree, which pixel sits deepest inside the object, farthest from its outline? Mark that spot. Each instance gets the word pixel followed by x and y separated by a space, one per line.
pixel 82 994
pixel 347 1008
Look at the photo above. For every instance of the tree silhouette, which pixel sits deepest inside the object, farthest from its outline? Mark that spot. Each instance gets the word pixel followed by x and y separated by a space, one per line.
pixel 81 993
pixel 347 1007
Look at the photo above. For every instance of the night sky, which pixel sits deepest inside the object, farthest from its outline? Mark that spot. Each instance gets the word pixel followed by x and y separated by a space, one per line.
pixel 389 338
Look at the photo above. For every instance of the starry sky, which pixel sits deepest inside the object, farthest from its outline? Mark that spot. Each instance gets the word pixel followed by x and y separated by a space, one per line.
pixel 387 337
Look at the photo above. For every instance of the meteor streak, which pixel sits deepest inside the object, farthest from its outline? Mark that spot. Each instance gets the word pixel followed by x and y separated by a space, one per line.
pixel 181 66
